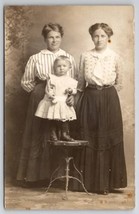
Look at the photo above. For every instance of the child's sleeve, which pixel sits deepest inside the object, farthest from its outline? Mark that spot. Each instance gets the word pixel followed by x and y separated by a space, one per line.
pixel 50 88
pixel 74 88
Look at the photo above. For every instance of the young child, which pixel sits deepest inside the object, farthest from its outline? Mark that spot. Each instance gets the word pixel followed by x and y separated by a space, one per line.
pixel 53 106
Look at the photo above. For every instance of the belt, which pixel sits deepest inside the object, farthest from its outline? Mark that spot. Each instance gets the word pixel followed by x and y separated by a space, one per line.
pixel 99 87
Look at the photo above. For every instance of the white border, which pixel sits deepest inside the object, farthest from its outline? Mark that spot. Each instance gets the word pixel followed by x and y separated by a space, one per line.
pixel 73 2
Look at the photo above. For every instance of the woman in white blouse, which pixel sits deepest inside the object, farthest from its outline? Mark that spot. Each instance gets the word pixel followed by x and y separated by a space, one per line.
pixel 99 114
pixel 32 166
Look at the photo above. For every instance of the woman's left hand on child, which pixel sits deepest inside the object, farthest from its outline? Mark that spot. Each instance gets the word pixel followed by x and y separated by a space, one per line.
pixel 70 100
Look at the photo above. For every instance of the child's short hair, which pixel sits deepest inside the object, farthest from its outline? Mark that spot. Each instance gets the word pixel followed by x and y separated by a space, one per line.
pixel 62 57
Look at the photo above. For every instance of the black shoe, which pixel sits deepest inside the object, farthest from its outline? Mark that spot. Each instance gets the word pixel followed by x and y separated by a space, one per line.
pixel 53 136
pixel 66 137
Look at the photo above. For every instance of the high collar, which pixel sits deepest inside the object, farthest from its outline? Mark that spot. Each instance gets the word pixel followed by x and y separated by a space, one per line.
pixel 59 52
pixel 103 54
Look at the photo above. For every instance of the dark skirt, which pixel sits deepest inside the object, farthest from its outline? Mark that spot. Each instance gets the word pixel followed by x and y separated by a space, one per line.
pixel 38 159
pixel 100 122
pixel 34 158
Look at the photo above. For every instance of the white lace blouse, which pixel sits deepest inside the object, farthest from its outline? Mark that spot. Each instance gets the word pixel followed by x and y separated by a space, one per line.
pixel 100 68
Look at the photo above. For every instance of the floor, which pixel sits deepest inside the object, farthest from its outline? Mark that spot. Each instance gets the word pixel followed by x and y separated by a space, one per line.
pixel 36 198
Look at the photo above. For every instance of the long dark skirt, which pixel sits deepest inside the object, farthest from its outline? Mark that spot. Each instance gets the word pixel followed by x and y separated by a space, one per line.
pixel 34 159
pixel 101 124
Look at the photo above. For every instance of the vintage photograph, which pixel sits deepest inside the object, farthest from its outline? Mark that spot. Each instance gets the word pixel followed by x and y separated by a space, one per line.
pixel 69 108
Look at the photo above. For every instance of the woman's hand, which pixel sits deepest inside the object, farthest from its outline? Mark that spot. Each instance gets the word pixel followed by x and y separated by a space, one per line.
pixel 73 100
pixel 77 98
pixel 70 100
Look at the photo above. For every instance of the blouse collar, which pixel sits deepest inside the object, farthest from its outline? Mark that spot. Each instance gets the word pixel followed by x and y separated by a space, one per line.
pixel 59 52
pixel 107 52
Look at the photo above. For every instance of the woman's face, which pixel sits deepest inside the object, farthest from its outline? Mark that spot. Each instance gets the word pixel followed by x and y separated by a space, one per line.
pixel 53 41
pixel 100 39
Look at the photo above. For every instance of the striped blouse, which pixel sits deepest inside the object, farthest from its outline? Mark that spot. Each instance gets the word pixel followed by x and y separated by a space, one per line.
pixel 40 65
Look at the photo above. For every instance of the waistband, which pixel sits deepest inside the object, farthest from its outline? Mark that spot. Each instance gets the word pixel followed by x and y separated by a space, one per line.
pixel 38 81
pixel 57 98
pixel 99 87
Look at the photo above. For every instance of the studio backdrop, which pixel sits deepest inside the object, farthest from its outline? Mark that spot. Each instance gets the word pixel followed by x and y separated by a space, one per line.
pixel 23 26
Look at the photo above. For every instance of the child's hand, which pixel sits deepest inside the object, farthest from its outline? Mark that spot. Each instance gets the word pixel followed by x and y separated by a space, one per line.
pixel 51 96
pixel 53 99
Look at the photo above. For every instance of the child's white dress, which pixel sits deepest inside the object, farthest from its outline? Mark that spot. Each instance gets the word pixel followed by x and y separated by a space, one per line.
pixel 57 109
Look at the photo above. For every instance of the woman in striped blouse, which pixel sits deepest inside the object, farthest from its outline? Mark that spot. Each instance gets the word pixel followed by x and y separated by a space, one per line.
pixel 32 165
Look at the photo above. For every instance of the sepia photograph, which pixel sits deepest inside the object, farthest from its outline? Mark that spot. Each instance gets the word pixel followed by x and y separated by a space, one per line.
pixel 69 107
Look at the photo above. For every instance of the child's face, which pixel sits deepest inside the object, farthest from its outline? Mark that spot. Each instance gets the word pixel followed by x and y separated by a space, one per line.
pixel 61 67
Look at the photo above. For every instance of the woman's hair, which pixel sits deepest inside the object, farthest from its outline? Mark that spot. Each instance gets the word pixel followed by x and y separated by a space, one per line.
pixel 52 27
pixel 62 57
pixel 103 26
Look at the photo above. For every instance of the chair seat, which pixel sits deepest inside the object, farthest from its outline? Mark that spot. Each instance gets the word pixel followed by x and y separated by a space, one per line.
pixel 69 143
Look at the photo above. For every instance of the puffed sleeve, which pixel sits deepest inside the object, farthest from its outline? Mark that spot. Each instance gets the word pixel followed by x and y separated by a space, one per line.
pixel 28 80
pixel 81 77
pixel 50 87
pixel 119 73
pixel 74 87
